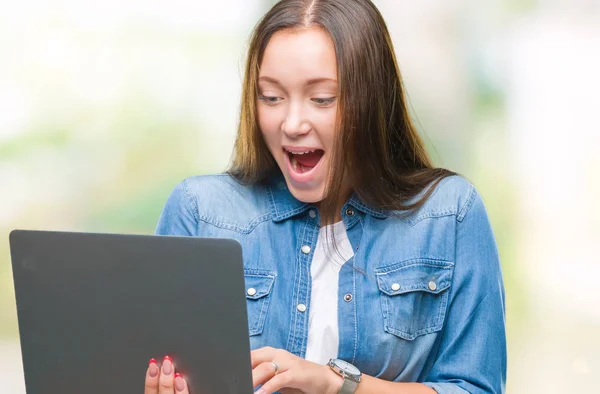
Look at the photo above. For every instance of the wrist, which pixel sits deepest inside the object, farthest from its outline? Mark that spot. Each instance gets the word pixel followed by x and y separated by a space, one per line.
pixel 334 381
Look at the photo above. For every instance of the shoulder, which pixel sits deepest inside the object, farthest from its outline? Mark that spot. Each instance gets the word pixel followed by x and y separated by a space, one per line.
pixel 452 196
pixel 216 186
pixel 222 201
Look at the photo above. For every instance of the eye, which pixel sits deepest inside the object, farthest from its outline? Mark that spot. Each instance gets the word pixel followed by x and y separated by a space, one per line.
pixel 323 101
pixel 269 100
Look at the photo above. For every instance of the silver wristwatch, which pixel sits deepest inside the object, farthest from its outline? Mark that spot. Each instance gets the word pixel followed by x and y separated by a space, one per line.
pixel 349 372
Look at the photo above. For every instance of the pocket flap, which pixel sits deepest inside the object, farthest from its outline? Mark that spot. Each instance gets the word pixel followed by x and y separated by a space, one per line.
pixel 432 276
pixel 258 283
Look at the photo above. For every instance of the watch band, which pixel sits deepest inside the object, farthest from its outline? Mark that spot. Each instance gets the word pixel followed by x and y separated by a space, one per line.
pixel 348 387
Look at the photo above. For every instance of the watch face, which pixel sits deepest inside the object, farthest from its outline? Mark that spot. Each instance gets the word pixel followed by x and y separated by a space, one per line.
pixel 347 367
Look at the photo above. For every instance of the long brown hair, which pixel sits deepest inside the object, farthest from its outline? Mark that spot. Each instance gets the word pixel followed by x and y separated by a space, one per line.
pixel 377 146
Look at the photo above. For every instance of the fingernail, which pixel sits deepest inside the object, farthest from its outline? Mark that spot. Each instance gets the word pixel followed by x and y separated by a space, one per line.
pixel 179 383
pixel 167 366
pixel 153 368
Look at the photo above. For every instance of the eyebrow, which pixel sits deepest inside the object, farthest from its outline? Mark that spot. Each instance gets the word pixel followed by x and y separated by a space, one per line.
pixel 311 81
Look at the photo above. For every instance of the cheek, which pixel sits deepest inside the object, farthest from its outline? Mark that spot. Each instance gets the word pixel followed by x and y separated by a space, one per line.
pixel 326 124
pixel 268 123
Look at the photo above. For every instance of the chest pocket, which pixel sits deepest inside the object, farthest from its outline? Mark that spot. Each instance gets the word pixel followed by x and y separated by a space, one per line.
pixel 259 285
pixel 414 296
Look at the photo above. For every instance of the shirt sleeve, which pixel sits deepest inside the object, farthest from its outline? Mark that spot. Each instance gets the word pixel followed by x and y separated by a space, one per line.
pixel 179 215
pixel 472 353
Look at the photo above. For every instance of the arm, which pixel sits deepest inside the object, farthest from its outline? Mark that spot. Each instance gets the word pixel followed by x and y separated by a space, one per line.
pixel 293 372
pixel 472 353
pixel 369 384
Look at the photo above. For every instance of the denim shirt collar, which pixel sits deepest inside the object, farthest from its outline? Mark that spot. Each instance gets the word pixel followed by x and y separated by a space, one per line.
pixel 284 205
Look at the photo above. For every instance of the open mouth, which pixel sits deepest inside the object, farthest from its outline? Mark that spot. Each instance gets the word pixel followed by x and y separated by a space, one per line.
pixel 303 162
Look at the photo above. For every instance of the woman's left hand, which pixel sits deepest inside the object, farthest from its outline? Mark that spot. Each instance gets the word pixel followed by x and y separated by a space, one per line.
pixel 279 370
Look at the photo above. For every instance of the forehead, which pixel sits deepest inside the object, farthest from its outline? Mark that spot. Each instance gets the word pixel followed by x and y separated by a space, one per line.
pixel 299 54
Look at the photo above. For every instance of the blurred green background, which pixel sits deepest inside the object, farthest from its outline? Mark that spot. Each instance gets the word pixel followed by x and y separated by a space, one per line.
pixel 105 107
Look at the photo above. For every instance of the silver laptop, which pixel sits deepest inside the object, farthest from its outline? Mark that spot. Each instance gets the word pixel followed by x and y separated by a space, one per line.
pixel 94 308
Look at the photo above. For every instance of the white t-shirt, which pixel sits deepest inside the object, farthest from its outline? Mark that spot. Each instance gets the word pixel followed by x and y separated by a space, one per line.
pixel 323 334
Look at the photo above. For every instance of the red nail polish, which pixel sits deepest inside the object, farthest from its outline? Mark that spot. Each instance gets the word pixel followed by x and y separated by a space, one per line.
pixel 168 358
pixel 153 368
pixel 179 383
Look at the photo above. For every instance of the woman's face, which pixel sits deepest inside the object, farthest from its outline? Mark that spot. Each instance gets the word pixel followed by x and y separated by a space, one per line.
pixel 297 107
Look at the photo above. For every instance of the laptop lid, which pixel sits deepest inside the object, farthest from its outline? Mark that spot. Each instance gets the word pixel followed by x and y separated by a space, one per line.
pixel 94 308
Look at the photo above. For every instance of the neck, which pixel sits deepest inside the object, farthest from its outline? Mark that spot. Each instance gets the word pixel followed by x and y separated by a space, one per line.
pixel 337 217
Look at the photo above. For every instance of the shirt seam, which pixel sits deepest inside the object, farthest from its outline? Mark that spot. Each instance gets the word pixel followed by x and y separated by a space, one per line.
pixel 190 200
pixel 242 230
pixel 467 205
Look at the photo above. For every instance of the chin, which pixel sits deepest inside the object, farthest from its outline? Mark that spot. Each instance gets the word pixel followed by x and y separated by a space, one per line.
pixel 308 196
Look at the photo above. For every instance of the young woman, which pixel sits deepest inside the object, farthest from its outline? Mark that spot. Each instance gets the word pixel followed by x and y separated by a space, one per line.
pixel 368 270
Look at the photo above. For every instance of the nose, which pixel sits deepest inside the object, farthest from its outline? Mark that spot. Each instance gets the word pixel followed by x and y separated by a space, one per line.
pixel 295 124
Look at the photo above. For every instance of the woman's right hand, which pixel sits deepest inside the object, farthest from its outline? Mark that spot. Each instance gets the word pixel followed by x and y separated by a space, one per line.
pixel 163 379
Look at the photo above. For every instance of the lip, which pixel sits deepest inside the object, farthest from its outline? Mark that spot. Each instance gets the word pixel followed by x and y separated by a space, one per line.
pixel 306 177
pixel 300 149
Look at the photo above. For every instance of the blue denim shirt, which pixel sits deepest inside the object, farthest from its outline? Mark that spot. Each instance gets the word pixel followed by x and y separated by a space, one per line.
pixel 428 297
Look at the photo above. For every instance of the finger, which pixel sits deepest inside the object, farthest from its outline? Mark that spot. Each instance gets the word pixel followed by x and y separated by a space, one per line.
pixel 166 378
pixel 262 355
pixel 262 373
pixel 181 386
pixel 151 385
pixel 276 383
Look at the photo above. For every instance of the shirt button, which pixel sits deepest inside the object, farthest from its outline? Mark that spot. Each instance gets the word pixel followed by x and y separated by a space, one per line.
pixel 350 212
pixel 301 308
pixel 348 297
pixel 312 214
pixel 305 249
pixel 251 291
pixel 432 286
pixel 396 286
